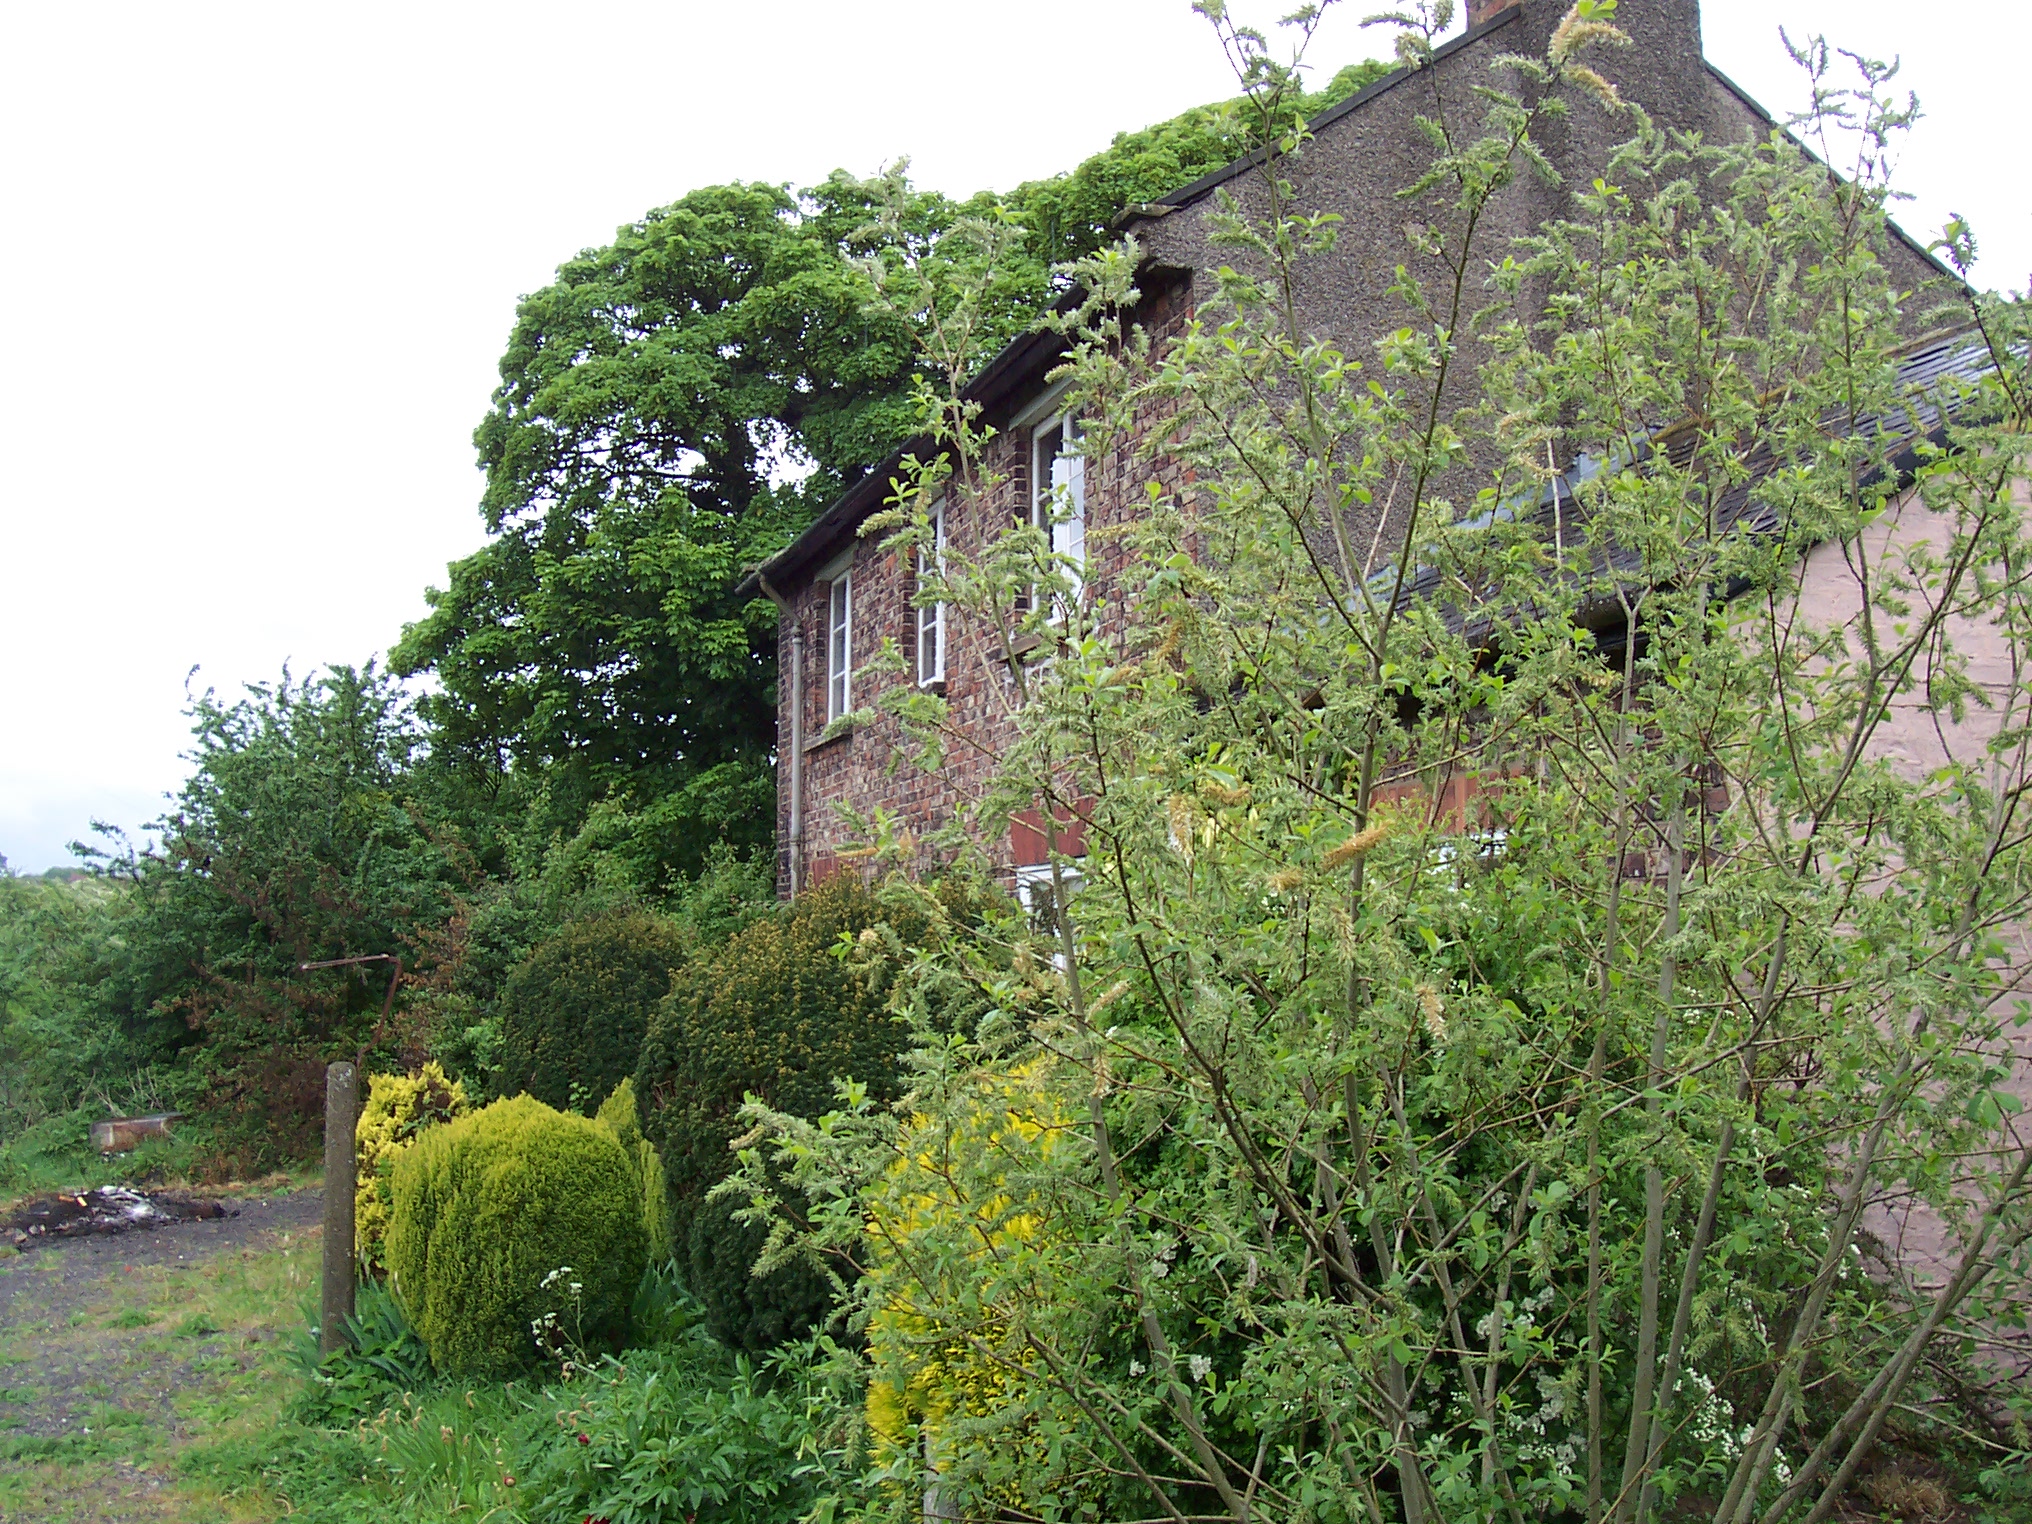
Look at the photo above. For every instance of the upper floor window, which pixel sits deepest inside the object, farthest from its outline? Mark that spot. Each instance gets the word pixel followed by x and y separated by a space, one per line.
pixel 1039 897
pixel 839 645
pixel 931 616
pixel 1058 491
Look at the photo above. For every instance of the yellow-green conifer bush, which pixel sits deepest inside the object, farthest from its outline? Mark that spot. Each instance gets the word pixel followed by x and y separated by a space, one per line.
pixel 487 1208
pixel 619 1114
pixel 399 1107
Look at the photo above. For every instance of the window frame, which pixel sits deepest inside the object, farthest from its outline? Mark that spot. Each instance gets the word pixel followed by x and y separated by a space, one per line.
pixel 1046 483
pixel 840 645
pixel 931 617
pixel 1033 893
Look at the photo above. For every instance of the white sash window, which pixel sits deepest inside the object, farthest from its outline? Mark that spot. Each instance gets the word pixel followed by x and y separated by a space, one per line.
pixel 1058 492
pixel 931 616
pixel 840 647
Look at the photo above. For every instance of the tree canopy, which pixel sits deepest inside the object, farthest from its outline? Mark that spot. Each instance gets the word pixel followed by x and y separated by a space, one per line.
pixel 295 841
pixel 670 405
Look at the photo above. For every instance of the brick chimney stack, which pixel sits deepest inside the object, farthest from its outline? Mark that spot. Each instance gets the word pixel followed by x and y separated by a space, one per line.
pixel 1480 11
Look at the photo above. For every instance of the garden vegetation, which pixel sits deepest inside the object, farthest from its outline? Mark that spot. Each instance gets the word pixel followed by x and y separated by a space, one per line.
pixel 514 1229
pixel 1507 980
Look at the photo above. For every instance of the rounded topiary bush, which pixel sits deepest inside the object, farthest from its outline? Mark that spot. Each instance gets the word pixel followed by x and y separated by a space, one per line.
pixel 777 1012
pixel 487 1207
pixel 574 1013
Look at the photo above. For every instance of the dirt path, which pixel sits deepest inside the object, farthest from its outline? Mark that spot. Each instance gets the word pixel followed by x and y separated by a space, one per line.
pixel 115 1351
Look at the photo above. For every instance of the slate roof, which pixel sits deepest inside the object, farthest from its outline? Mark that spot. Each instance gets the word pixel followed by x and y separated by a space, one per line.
pixel 1937 377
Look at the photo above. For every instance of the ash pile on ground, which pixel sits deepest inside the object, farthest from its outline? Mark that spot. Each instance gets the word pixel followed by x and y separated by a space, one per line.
pixel 109 1209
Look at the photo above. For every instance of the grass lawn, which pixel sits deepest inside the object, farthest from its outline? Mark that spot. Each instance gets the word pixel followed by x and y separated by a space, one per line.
pixel 155 1376
pixel 169 1376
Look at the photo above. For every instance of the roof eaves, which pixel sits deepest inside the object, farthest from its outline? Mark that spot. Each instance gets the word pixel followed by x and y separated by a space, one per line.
pixel 1955 354
pixel 1013 364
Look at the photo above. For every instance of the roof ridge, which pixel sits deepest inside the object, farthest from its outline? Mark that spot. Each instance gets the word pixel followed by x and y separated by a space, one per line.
pixel 1199 189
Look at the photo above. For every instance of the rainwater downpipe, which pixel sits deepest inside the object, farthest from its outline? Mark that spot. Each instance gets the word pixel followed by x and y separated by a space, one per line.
pixel 796 760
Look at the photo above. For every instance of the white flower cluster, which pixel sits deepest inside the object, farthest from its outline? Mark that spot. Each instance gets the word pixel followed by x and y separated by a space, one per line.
pixel 1563 1451
pixel 1524 1316
pixel 1710 1424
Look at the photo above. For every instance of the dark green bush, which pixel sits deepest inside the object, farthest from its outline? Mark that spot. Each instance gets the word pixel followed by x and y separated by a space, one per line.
pixel 777 1012
pixel 574 1014
pixel 487 1207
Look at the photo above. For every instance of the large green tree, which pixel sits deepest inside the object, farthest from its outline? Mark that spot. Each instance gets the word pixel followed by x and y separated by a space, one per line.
pixel 669 406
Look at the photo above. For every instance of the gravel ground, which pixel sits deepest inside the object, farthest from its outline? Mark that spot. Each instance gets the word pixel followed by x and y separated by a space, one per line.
pixel 115 1350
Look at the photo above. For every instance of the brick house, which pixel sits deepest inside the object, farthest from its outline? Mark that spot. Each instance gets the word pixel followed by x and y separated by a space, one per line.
pixel 839 595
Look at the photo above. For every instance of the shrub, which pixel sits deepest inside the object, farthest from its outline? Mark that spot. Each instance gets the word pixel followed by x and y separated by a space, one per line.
pixel 618 1114
pixel 487 1207
pixel 399 1106
pixel 778 1013
pixel 574 1013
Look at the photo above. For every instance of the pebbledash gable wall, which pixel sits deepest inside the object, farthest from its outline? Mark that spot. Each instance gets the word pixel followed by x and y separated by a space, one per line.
pixel 1363 151
pixel 1366 150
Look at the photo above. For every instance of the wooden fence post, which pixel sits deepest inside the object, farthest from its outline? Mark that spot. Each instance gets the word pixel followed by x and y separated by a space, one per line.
pixel 342 1096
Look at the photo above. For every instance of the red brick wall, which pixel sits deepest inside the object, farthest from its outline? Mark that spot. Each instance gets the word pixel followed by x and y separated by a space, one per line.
pixel 874 767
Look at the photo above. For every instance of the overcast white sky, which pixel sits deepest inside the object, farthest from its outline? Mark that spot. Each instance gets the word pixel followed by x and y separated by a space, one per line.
pixel 260 260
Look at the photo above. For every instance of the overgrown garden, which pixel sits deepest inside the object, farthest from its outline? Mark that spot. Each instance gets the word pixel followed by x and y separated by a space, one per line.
pixel 1507 990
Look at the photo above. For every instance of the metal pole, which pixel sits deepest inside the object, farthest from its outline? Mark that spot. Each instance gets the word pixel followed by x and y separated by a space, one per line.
pixel 342 1096
pixel 796 756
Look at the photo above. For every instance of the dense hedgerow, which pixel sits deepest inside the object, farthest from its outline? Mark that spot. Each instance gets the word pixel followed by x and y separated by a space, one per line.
pixel 574 1014
pixel 487 1207
pixel 776 1012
